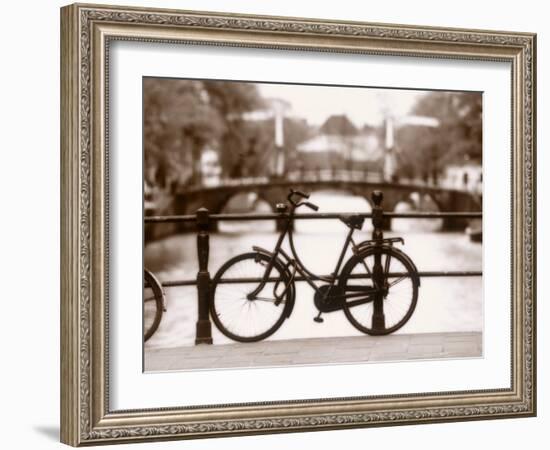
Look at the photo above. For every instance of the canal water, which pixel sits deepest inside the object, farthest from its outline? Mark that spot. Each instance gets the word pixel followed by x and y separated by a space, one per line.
pixel 444 304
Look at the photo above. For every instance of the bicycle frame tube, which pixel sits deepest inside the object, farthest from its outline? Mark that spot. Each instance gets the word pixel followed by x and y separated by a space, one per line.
pixel 297 262
pixel 308 275
pixel 271 262
pixel 305 272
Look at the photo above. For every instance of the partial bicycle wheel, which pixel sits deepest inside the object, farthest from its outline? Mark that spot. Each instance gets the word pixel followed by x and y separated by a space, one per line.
pixel 153 304
pixel 250 320
pixel 399 290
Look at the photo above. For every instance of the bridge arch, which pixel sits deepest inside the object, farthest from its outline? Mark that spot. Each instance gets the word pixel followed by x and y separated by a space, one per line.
pixel 230 203
pixel 417 201
pixel 247 201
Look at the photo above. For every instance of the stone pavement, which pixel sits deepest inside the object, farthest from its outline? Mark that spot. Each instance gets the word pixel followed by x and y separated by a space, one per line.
pixel 399 347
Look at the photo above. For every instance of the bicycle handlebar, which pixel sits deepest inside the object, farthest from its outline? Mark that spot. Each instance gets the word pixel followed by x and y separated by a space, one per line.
pixel 310 206
pixel 298 204
pixel 292 193
pixel 300 193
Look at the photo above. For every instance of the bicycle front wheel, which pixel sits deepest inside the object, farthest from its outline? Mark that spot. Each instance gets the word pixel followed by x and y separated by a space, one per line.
pixel 245 319
pixel 399 289
pixel 153 303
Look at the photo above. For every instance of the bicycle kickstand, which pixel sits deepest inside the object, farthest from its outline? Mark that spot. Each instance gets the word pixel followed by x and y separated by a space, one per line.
pixel 318 318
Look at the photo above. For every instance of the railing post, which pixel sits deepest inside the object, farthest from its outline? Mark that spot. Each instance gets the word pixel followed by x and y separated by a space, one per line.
pixel 204 326
pixel 378 318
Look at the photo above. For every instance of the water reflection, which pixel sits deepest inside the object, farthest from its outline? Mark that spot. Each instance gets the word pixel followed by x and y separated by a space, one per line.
pixel 246 203
pixel 415 224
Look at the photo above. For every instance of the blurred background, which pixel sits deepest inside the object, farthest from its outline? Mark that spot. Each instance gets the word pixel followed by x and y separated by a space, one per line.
pixel 236 147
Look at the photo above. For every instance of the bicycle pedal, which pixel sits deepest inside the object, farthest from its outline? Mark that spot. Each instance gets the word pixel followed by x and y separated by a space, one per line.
pixel 318 319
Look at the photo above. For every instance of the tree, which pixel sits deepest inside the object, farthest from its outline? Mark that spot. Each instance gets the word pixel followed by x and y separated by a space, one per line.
pixel 238 139
pixel 467 132
pixel 246 149
pixel 178 122
pixel 426 151
pixel 339 125
pixel 181 117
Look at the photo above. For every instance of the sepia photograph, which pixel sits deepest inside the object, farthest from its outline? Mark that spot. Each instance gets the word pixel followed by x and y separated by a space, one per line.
pixel 299 224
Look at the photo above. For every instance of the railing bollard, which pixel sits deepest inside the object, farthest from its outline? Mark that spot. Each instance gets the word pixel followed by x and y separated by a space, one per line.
pixel 204 326
pixel 378 318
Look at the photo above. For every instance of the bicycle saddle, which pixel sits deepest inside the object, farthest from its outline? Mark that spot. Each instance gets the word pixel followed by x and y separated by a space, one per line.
pixel 353 220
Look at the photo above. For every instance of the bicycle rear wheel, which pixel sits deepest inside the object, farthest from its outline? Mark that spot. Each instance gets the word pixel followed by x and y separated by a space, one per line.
pixel 153 304
pixel 243 319
pixel 400 289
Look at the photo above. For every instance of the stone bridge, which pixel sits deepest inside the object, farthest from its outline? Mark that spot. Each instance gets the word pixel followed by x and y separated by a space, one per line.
pixel 275 191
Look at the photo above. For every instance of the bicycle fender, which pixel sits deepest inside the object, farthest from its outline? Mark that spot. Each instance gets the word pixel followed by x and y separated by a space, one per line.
pixel 156 280
pixel 365 245
pixel 362 245
pixel 262 250
pixel 292 300
pixel 408 258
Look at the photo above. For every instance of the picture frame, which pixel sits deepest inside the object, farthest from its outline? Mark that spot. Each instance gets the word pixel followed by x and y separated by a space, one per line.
pixel 87 32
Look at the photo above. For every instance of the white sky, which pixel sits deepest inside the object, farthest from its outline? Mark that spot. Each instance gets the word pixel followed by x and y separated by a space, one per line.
pixel 361 105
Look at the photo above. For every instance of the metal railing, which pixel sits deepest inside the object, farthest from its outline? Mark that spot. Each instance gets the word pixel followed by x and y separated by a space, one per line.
pixel 203 220
pixel 275 216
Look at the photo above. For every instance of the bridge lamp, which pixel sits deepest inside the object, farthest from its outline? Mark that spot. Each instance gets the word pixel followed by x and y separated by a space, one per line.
pixel 280 107
pixel 389 105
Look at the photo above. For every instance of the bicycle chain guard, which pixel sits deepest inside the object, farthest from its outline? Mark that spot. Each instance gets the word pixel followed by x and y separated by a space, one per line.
pixel 329 298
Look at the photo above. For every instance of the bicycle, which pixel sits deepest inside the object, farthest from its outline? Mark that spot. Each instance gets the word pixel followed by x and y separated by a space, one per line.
pixel 154 304
pixel 377 287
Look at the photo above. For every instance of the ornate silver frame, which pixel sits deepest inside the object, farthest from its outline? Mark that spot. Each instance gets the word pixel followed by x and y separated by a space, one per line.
pixel 86 31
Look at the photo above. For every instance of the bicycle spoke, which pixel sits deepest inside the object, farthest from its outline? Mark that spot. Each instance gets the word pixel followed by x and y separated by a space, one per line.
pixel 264 299
pixel 367 267
pixel 398 280
pixel 387 265
pixel 358 302
pixel 258 315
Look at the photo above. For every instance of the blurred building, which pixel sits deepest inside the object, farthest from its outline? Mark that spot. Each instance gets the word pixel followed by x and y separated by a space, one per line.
pixel 467 176
pixel 149 204
pixel 339 151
